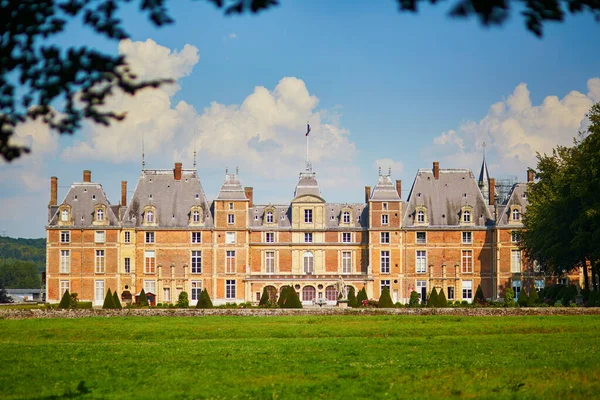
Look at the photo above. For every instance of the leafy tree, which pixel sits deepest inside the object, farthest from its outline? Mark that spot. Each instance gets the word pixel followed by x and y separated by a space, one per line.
pixel 17 274
pixel 523 298
pixel 509 297
pixel 204 300
pixel 4 297
pixel 20 249
pixel 352 297
pixel 109 300
pixel 116 300
pixel 65 301
pixel 479 297
pixel 432 300
pixel 385 300
pixel 37 74
pixel 533 298
pixel 361 297
pixel 441 299
pixel 264 299
pixel 143 299
pixel 414 299
pixel 183 301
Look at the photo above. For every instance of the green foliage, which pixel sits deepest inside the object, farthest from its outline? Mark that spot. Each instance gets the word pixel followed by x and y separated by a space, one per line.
pixel 362 297
pixel 509 297
pixel 183 301
pixel 291 299
pixel 204 300
pixel 109 301
pixel 523 298
pixel 4 297
pixel 282 295
pixel 65 301
pixel 352 302
pixel 533 299
pixel 16 274
pixel 116 300
pixel 33 250
pixel 385 300
pixel 414 299
pixel 479 297
pixel 264 299
pixel 143 300
pixel 441 299
pixel 432 300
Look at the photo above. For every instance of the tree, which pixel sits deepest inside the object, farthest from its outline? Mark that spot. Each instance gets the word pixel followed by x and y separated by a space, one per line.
pixel 109 301
pixel 352 297
pixel 183 301
pixel 143 300
pixel 283 296
pixel 533 298
pixel 36 74
pixel 116 300
pixel 17 274
pixel 441 299
pixel 523 298
pixel 65 301
pixel 385 300
pixel 479 297
pixel 264 299
pixel 4 297
pixel 432 300
pixel 414 299
pixel 292 300
pixel 361 297
pixel 509 297
pixel 204 300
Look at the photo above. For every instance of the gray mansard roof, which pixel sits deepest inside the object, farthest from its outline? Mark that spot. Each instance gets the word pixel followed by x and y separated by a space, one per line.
pixel 385 190
pixel 172 198
pixel 307 185
pixel 333 214
pixel 516 197
pixel 444 198
pixel 232 189
pixel 82 197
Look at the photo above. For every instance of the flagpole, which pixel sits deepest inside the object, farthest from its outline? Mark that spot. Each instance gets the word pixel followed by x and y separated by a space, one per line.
pixel 307 139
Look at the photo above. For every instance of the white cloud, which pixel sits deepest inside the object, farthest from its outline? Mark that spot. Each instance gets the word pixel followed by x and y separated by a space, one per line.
pixel 232 36
pixel 397 167
pixel 515 129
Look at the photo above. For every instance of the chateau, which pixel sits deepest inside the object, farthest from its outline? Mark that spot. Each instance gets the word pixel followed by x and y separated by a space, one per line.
pixel 451 233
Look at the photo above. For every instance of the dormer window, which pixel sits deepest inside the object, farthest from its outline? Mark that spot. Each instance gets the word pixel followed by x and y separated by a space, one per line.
pixel 150 217
pixel 196 216
pixel 64 215
pixel 384 206
pixel 466 216
pixel 515 214
pixel 421 216
pixel 269 217
pixel 346 217
pixel 100 215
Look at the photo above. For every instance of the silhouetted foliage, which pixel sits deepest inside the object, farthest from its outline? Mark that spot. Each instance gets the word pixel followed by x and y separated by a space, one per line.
pixel 4 297
pixel 432 300
pixel 264 299
pixel 479 297
pixel 533 298
pixel 351 297
pixel 204 300
pixel 523 298
pixel 116 300
pixel 65 301
pixel 385 300
pixel 109 301
pixel 361 297
pixel 143 300
pixel 509 297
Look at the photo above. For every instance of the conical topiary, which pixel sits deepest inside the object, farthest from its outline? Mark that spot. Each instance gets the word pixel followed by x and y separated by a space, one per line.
pixel 264 299
pixel 65 302
pixel 441 299
pixel 351 297
pixel 204 300
pixel 523 298
pixel 361 297
pixel 282 296
pixel 143 299
pixel 116 300
pixel 109 302
pixel 385 300
pixel 432 300
pixel 533 298
pixel 292 300
pixel 479 297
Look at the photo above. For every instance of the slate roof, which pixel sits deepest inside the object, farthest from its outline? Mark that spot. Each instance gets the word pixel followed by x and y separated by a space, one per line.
pixel 333 214
pixel 307 184
pixel 484 181
pixel 232 189
pixel 173 199
pixel 82 197
pixel 516 196
pixel 444 198
pixel 385 189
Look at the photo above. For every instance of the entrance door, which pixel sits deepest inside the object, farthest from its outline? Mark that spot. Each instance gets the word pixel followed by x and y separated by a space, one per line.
pixel 422 290
pixel 99 296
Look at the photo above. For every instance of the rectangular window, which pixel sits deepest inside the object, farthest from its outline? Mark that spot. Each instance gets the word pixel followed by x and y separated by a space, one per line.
pixel 230 219
pixel 421 237
pixel 65 261
pixel 346 262
pixel 515 261
pixel 346 237
pixel 127 237
pixel 150 287
pixel 308 237
pixel 229 237
pixel 65 236
pixel 167 295
pixel 467 261
pixel 270 237
pixel 385 237
pixel 516 286
pixel 539 284
pixel 99 236
pixel 149 237
pixel 309 266
pixel 467 290
pixel 385 262
pixel 450 293
pixel 150 261
pixel 421 264
pixel 99 261
pixel 64 286
pixel 467 237
pixel 385 283
pixel 196 289
pixel 422 290
pixel 384 219
pixel 384 206
pixel 230 289
pixel 196 262
pixel 230 262
pixel 196 237
pixel 269 262
pixel 308 216
pixel 514 237
pixel 127 265
pixel 231 206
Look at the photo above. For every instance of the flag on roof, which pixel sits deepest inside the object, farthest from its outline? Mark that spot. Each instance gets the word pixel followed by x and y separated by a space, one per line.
pixel 307 129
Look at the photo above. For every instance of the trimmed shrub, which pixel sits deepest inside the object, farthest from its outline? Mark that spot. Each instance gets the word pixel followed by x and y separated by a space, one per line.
pixel 116 300
pixel 143 299
pixel 291 299
pixel 84 304
pixel 441 299
pixel 523 298
pixel 264 299
pixel 509 297
pixel 351 297
pixel 361 297
pixel 414 299
pixel 109 302
pixel 183 301
pixel 432 300
pixel 204 300
pixel 479 297
pixel 65 301
pixel 385 300
pixel 533 298
pixel 282 296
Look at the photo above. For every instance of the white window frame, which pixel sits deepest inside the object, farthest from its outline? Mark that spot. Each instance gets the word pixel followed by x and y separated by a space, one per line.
pixel 346 262
pixel 230 261
pixel 64 216
pixel 127 237
pixel 196 216
pixel 514 237
pixel 419 240
pixel 516 261
pixel 150 217
pixel 230 289
pixel 150 237
pixel 346 237
pixel 149 261
pixel 421 261
pixel 150 286
pixel 269 237
pixel 63 286
pixel 269 217
pixel 308 262
pixel 127 265
pixel 167 294
pixel 385 219
pixel 308 237
pixel 384 261
pixel 231 219
pixel 466 217
pixel 384 206
pixel 99 236
pixel 539 284
pixel 230 238
pixel 65 261
pixel 467 289
pixel 516 287
pixel 385 283
pixel 466 261
pixel 231 206
pixel 346 217
pixel 516 214
pixel 384 238
pixel 450 292
pixel 196 237
pixel 100 262
pixel 467 238
pixel 195 290
pixel 269 262
pixel 421 217
pixel 65 236
pixel 196 261
pixel 308 215
pixel 99 214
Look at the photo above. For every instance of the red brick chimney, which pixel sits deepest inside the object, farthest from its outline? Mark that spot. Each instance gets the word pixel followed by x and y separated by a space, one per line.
pixel 248 191
pixel 367 193
pixel 399 188
pixel 530 175
pixel 177 171
pixel 124 193
pixel 53 190
pixel 87 175
pixel 492 191
pixel 436 170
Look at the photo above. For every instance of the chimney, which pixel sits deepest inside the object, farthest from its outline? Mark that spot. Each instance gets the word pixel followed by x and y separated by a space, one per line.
pixel 87 175
pixel 399 187
pixel 367 193
pixel 124 193
pixel 177 171
pixel 436 170
pixel 492 191
pixel 53 190
pixel 248 191
pixel 530 175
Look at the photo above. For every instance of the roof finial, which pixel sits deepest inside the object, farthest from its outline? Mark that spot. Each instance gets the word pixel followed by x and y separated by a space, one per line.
pixel 484 146
pixel 379 171
pixel 226 170
pixel 390 171
pixel 194 149
pixel 143 161
pixel 237 170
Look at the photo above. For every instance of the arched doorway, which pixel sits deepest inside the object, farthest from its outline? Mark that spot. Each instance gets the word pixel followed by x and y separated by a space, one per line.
pixel 308 293
pixel 331 293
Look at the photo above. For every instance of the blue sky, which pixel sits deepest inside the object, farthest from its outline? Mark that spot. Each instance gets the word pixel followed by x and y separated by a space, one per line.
pixel 378 87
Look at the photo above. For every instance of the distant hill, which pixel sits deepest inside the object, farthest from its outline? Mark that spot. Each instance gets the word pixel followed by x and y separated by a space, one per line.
pixel 24 250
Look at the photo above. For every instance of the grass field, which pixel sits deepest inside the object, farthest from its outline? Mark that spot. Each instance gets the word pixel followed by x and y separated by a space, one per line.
pixel 301 357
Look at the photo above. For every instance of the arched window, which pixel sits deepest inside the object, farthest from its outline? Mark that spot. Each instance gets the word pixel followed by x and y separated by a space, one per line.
pixel 149 216
pixel 196 216
pixel 269 217
pixel 331 293
pixel 308 293
pixel 346 217
pixel 99 215
pixel 421 216
pixel 64 215
pixel 466 216
pixel 516 214
pixel 309 263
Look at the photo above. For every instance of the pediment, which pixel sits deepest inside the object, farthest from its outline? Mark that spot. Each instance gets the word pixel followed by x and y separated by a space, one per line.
pixel 308 198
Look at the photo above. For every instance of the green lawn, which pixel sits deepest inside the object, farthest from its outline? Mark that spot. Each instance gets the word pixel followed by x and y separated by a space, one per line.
pixel 347 357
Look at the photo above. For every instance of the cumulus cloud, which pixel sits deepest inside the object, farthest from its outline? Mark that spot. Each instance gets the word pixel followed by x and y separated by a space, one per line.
pixel 232 36
pixel 515 129
pixel 387 164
